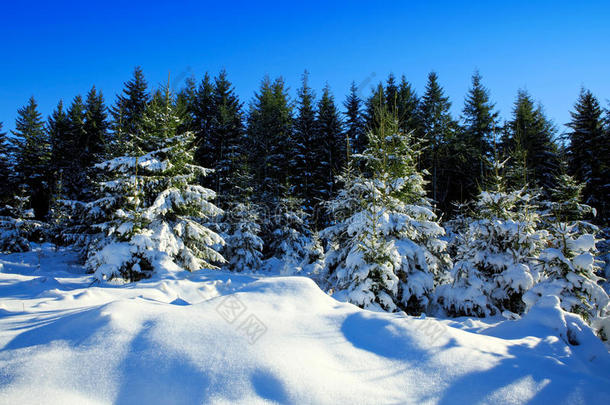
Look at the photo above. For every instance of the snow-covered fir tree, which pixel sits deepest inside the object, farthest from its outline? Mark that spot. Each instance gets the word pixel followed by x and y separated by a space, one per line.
pixel 341 208
pixel 290 235
pixel 17 224
pixel 568 270
pixel 5 167
pixel 494 256
pixel 568 267
pixel 384 250
pixel 313 263
pixel 565 203
pixel 32 153
pixel 457 225
pixel 241 223
pixel 244 246
pixel 150 209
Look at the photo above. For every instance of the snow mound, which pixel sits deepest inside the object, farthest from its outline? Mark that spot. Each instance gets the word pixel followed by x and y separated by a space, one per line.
pixel 217 337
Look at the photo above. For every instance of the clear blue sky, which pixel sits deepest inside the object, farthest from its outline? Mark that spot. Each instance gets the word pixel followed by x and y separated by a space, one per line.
pixel 58 49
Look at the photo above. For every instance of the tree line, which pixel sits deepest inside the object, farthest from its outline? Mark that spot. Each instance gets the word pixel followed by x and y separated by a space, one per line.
pixel 298 147
pixel 391 204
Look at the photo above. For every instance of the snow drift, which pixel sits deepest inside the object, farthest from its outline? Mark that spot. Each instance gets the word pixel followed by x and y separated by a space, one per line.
pixel 218 337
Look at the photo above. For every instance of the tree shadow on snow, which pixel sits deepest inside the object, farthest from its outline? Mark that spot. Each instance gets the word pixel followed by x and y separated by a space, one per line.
pixel 152 375
pixel 74 327
pixel 536 378
pixel 34 288
pixel 538 375
pixel 385 337
pixel 269 387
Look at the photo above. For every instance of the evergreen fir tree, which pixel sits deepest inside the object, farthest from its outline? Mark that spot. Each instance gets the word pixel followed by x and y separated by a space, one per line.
pixel 129 110
pixel 150 212
pixel 531 134
pixel 588 152
pixel 33 155
pixel 391 93
pixel 407 104
pixel 313 263
pixel 437 131
pixel 57 129
pixel 384 249
pixel 202 112
pixel 479 124
pixel 354 122
pixel 269 136
pixel 569 271
pixel 17 224
pixel 397 99
pixel 5 168
pixel 305 141
pixel 87 144
pixel 376 107
pixel 494 262
pixel 568 267
pixel 226 135
pixel 244 246
pixel 270 145
pixel 290 234
pixel 516 174
pixel 74 180
pixel 565 204
pixel 96 129
pixel 328 152
pixel 185 101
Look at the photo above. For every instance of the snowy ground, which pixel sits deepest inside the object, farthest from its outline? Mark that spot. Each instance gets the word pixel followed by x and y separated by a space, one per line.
pixel 216 337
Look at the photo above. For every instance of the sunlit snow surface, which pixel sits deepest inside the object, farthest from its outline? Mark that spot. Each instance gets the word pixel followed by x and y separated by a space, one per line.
pixel 217 337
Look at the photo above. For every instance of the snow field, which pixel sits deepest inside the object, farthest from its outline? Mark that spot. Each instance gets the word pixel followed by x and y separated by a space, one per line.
pixel 169 341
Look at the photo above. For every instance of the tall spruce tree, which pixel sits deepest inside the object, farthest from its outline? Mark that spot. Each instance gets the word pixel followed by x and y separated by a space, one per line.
pixel 291 233
pixel 75 181
pixel 398 99
pixel 375 107
pixel 437 131
pixel 96 128
pixel 33 155
pixel 568 266
pixel 354 121
pixel 270 146
pixel 128 111
pixel 269 134
pixel 588 152
pixel 17 224
pixel 391 93
pixel 226 135
pixel 57 128
pixel 328 154
pixel 202 114
pixel 150 211
pixel 384 247
pixel 185 101
pixel 478 128
pixel 244 246
pixel 5 168
pixel 407 104
pixel 242 219
pixel 531 135
pixel 304 142
pixel 495 252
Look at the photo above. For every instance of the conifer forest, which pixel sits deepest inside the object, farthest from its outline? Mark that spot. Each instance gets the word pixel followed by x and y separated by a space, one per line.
pixel 387 196
pixel 183 243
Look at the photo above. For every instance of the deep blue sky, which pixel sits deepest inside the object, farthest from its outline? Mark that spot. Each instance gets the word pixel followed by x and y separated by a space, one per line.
pixel 58 49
